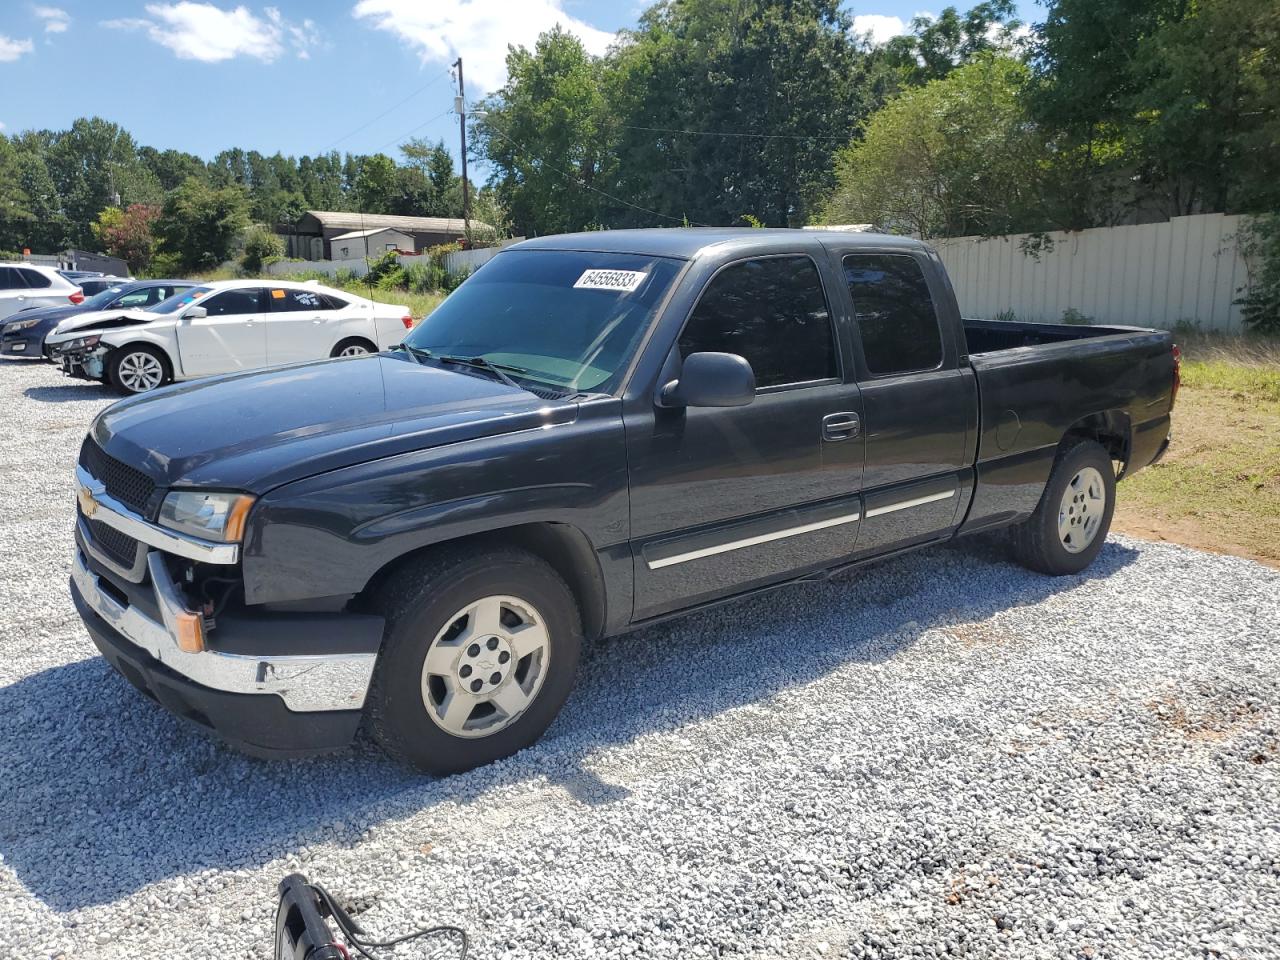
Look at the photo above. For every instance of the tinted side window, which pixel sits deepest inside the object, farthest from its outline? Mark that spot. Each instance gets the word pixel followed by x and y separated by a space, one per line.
pixel 291 301
pixel 895 314
pixel 35 279
pixel 232 302
pixel 773 313
pixel 9 279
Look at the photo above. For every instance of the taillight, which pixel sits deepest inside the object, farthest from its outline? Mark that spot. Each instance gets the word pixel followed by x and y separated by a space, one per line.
pixel 77 298
pixel 1177 375
pixel 407 321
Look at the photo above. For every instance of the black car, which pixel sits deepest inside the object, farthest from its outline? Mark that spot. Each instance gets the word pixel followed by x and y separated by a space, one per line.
pixel 24 334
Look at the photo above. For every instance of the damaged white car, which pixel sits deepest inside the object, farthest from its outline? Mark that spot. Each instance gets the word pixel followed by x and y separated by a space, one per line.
pixel 223 327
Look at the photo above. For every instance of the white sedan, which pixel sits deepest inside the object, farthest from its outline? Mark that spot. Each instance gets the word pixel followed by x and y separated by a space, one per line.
pixel 223 327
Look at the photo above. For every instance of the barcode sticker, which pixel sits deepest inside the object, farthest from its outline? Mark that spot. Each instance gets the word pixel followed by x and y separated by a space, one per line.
pixel 623 281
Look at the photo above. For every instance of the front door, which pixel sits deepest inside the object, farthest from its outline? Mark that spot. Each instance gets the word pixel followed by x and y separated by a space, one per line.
pixel 232 336
pixel 919 404
pixel 723 499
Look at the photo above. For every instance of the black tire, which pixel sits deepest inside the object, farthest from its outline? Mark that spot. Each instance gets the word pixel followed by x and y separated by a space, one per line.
pixel 350 342
pixel 116 360
pixel 418 602
pixel 1036 542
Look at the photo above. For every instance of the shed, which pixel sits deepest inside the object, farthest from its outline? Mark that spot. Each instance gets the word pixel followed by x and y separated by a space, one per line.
pixel 369 243
pixel 311 237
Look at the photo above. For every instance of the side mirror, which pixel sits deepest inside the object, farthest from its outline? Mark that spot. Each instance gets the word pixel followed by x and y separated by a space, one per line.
pixel 711 380
pixel 195 313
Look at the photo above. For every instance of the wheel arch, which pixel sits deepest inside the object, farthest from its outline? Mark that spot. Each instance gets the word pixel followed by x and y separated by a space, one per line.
pixel 566 548
pixel 1111 429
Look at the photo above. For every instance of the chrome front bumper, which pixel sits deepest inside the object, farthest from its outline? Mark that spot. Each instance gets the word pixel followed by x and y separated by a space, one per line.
pixel 305 683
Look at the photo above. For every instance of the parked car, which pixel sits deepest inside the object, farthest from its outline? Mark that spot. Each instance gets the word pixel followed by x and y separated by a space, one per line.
pixel 223 327
pixel 24 336
pixel 593 433
pixel 27 285
pixel 92 286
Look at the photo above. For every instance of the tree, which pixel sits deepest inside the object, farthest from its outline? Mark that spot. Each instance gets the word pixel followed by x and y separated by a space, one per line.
pixel 95 165
pixel 951 158
pixel 375 184
pixel 937 45
pixel 15 206
pixel 261 246
pixel 201 224
pixel 128 234
pixel 542 134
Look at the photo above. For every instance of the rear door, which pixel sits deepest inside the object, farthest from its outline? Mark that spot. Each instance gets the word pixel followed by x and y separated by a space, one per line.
pixel 300 325
pixel 727 498
pixel 919 399
pixel 231 337
pixel 13 292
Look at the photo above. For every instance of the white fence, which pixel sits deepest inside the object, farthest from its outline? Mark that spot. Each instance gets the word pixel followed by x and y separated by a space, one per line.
pixel 1149 275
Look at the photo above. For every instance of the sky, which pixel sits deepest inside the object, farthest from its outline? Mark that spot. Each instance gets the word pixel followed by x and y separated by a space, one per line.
pixel 297 76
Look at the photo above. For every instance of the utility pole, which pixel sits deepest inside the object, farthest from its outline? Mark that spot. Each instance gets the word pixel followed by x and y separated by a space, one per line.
pixel 460 105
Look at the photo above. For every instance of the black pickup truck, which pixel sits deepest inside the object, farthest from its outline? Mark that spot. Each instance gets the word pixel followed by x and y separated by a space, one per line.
pixel 593 433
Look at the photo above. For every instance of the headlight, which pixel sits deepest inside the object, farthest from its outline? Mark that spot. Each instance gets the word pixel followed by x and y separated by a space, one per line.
pixel 20 325
pixel 82 343
pixel 209 516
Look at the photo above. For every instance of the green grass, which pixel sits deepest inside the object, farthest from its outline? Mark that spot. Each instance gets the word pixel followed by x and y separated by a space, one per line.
pixel 1219 486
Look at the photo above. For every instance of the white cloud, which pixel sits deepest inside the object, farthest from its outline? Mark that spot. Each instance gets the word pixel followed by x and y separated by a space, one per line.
pixel 880 27
pixel 477 30
pixel 11 50
pixel 56 20
pixel 202 31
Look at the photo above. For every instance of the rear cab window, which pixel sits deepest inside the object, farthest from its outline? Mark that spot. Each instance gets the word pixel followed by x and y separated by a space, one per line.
pixel 894 313
pixel 772 311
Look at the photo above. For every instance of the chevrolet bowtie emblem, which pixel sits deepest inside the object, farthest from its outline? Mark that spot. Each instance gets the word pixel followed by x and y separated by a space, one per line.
pixel 88 505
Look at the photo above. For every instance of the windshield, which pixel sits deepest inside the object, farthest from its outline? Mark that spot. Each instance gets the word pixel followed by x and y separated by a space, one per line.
pixel 567 319
pixel 179 300
pixel 100 301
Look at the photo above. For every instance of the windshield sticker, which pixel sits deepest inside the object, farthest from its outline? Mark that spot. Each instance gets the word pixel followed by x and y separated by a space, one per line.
pixel 622 281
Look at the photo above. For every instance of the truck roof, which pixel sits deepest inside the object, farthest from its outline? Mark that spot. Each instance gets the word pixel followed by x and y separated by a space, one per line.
pixel 688 242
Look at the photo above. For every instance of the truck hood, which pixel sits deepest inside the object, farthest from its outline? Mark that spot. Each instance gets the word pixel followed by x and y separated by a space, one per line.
pixel 255 431
pixel 100 320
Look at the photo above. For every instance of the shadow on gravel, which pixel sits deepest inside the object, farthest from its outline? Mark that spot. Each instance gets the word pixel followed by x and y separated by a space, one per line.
pixel 70 391
pixel 103 793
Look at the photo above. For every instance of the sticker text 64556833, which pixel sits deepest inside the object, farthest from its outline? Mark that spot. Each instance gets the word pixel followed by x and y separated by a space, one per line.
pixel 623 281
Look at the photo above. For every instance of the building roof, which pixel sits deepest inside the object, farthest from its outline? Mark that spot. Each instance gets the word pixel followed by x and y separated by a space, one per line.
pixel 357 234
pixel 335 220
pixel 689 242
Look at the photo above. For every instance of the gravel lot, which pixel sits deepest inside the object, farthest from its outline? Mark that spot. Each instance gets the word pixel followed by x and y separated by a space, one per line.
pixel 940 756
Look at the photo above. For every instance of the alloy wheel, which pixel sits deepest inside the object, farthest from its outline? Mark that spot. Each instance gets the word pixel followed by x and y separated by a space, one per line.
pixel 139 372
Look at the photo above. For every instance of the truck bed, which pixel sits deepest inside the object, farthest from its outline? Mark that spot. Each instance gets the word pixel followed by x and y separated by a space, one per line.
pixel 989 336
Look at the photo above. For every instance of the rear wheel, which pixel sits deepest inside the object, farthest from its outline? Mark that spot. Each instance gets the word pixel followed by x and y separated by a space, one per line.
pixel 353 347
pixel 137 368
pixel 480 654
pixel 1070 525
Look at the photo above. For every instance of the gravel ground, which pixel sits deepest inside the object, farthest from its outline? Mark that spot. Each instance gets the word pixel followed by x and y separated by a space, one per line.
pixel 943 755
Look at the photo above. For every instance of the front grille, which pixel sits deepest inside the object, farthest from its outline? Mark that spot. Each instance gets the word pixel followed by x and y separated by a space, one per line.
pixel 130 486
pixel 120 547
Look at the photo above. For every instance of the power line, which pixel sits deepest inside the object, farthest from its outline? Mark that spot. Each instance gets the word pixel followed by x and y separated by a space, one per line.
pixel 573 179
pixel 414 130
pixel 368 123
pixel 719 133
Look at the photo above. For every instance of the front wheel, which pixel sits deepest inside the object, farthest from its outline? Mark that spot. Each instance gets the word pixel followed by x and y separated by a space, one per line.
pixel 1069 526
pixel 480 654
pixel 138 368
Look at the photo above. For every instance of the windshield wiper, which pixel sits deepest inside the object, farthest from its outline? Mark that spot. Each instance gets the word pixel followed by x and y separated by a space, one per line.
pixel 480 363
pixel 417 353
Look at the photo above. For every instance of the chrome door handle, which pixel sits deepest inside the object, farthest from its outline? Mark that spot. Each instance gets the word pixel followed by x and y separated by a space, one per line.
pixel 840 426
